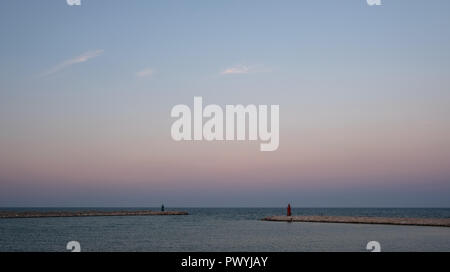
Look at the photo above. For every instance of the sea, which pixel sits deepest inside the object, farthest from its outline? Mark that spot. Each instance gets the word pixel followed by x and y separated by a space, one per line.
pixel 221 229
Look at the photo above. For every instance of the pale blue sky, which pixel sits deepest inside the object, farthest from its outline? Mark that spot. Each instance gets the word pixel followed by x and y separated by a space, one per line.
pixel 102 78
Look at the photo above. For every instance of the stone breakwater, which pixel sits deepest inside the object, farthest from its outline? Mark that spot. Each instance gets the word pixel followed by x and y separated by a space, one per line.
pixel 435 222
pixel 33 214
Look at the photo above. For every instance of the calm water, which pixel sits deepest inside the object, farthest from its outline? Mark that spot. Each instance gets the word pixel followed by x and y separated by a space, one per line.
pixel 222 229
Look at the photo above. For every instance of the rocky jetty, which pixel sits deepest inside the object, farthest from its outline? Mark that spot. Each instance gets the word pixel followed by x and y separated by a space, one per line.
pixel 35 214
pixel 436 222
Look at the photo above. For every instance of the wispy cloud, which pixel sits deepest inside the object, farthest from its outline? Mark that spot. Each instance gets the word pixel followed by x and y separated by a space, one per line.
pixel 238 69
pixel 67 63
pixel 148 72
pixel 245 69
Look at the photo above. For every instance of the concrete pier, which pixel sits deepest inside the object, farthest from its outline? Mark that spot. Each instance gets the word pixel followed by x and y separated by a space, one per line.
pixel 436 222
pixel 34 214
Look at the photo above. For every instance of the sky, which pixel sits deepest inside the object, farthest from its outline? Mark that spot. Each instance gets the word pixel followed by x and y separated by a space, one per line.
pixel 86 93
